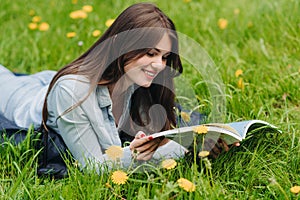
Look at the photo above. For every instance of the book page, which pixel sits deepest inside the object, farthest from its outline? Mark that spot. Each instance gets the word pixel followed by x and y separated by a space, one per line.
pixel 230 133
pixel 224 126
pixel 244 127
pixel 185 135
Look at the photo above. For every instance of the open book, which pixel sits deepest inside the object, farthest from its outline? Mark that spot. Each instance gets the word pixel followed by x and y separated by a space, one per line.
pixel 229 132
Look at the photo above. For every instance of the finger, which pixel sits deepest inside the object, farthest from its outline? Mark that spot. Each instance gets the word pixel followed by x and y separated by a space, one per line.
pixel 237 144
pixel 140 135
pixel 213 147
pixel 149 145
pixel 217 149
pixel 145 156
pixel 139 142
pixel 214 152
pixel 223 145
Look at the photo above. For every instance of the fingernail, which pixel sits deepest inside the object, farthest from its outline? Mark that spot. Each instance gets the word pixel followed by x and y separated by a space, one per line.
pixel 143 135
pixel 150 137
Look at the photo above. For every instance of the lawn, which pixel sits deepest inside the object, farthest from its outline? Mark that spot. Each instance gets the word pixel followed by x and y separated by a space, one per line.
pixel 251 49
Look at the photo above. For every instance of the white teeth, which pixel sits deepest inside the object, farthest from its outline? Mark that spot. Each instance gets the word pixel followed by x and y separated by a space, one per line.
pixel 149 73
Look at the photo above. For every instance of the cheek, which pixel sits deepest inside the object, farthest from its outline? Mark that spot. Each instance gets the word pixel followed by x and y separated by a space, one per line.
pixel 144 61
pixel 165 63
pixel 129 67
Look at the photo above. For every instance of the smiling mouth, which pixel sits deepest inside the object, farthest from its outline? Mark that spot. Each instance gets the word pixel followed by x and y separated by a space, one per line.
pixel 151 74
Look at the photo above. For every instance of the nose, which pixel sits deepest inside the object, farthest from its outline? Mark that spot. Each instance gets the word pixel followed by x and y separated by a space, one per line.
pixel 158 63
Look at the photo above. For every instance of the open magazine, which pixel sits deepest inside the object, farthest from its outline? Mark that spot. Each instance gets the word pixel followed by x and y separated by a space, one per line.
pixel 229 132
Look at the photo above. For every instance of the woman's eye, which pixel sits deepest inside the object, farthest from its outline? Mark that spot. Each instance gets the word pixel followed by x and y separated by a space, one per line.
pixel 150 54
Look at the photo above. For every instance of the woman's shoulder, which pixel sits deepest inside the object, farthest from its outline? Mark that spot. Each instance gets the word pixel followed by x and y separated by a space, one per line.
pixel 72 79
pixel 71 83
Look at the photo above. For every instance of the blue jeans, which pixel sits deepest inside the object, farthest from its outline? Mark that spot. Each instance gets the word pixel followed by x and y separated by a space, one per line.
pixel 22 97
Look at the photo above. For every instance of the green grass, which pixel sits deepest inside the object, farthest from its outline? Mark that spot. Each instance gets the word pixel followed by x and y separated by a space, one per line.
pixel 262 40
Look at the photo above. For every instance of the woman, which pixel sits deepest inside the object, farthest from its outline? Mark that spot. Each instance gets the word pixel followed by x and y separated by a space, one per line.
pixel 122 85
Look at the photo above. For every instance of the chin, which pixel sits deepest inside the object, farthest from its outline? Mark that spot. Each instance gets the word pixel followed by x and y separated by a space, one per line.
pixel 145 85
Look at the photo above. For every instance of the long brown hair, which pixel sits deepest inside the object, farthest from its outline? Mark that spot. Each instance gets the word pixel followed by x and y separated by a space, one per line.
pixel 135 31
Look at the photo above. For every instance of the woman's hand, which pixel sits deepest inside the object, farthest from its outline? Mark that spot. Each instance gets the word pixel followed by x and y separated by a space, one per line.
pixel 218 147
pixel 144 146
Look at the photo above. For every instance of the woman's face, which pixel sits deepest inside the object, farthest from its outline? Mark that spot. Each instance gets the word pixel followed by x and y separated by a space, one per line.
pixel 143 70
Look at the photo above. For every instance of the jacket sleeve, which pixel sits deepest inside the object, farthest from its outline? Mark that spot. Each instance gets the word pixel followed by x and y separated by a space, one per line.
pixel 89 128
pixel 86 130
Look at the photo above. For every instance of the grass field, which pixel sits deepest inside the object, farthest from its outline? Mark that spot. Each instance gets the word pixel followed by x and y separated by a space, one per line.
pixel 259 38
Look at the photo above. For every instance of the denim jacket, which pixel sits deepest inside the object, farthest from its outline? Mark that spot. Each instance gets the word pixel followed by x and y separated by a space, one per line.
pixel 88 129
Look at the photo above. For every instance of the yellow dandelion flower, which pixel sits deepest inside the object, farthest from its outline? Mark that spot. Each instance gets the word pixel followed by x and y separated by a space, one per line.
pixel 87 8
pixel 119 177
pixel 74 1
pixel 71 34
pixel 32 26
pixel 185 116
pixel 96 33
pixel 203 154
pixel 78 14
pixel 295 189
pixel 186 185
pixel 222 23
pixel 201 129
pixel 238 72
pixel 36 19
pixel 250 24
pixel 241 84
pixel 31 12
pixel 109 22
pixel 236 11
pixel 114 152
pixel 169 164
pixel 44 26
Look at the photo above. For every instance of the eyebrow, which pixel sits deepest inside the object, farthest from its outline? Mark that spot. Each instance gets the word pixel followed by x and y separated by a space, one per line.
pixel 158 50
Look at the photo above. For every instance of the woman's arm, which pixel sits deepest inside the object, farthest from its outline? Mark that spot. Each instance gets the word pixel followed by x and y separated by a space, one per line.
pixel 87 130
